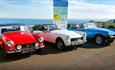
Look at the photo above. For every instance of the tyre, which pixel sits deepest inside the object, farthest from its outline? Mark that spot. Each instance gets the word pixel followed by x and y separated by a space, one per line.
pixel 2 53
pixel 60 44
pixel 99 40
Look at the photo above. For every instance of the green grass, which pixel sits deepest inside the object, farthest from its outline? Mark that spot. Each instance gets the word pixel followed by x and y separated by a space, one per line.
pixel 108 25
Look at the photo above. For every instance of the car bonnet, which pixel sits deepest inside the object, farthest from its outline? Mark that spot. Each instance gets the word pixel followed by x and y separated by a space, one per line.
pixel 20 37
pixel 69 33
pixel 103 29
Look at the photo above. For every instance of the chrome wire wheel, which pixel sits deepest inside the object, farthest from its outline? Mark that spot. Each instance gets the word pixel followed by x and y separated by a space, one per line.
pixel 99 40
pixel 60 44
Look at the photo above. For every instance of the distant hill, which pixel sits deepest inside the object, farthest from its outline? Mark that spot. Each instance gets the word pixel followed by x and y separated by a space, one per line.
pixel 109 24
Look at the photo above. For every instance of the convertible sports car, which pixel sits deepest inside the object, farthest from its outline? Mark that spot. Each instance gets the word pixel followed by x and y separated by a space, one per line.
pixel 99 35
pixel 19 39
pixel 61 37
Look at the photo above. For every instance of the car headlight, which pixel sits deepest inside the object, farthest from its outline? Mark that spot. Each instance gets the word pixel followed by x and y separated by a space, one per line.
pixel 18 47
pixel 36 44
pixel 41 39
pixel 68 37
pixel 10 43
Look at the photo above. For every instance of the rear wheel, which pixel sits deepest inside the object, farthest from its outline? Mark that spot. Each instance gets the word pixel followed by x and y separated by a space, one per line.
pixel 60 44
pixel 99 40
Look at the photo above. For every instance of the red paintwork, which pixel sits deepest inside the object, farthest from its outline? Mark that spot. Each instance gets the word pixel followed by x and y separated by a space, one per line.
pixel 37 36
pixel 47 36
pixel 19 37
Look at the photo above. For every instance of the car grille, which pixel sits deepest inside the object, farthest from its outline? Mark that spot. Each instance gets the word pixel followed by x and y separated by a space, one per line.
pixel 76 39
pixel 31 45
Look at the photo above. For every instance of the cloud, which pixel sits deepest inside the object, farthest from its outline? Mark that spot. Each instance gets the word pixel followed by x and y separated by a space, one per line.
pixel 44 9
pixel 27 3
pixel 26 15
pixel 83 9
pixel 30 9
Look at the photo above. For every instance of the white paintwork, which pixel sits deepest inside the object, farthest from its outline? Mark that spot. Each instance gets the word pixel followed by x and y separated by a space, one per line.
pixel 64 34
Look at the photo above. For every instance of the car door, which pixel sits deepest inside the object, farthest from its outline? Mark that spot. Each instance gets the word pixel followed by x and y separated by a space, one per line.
pixel 90 33
pixel 48 35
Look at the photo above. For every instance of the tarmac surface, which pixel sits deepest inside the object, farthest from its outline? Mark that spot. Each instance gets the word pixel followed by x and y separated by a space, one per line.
pixel 89 57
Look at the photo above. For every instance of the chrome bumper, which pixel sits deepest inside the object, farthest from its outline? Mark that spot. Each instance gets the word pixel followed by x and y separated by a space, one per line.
pixel 25 50
pixel 78 42
pixel 112 37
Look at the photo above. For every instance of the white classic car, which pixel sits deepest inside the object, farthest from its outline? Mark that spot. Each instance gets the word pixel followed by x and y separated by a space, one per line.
pixel 61 37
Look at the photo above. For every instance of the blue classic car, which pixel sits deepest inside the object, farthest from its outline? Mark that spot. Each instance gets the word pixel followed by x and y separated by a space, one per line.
pixel 99 35
pixel 112 29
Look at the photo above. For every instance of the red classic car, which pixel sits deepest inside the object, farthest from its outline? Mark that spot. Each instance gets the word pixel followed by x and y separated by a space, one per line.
pixel 19 39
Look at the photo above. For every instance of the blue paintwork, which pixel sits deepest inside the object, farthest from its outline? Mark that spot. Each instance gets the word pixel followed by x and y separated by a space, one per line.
pixel 60 3
pixel 113 30
pixel 91 32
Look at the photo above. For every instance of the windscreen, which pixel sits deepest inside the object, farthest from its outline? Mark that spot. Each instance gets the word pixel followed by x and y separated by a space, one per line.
pixel 14 28
pixel 50 27
pixel 90 25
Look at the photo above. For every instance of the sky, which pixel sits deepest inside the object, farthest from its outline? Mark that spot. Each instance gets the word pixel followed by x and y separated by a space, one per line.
pixel 43 9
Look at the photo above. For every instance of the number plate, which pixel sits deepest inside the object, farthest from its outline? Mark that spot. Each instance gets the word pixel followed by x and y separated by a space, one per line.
pixel 27 50
pixel 77 42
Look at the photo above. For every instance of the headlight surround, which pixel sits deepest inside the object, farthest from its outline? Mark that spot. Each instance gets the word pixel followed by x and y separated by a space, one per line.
pixel 68 39
pixel 41 39
pixel 85 35
pixel 36 44
pixel 10 43
pixel 18 47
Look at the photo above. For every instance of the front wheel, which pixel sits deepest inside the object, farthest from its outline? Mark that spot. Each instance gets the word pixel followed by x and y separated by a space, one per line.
pixel 99 40
pixel 60 44
pixel 2 53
